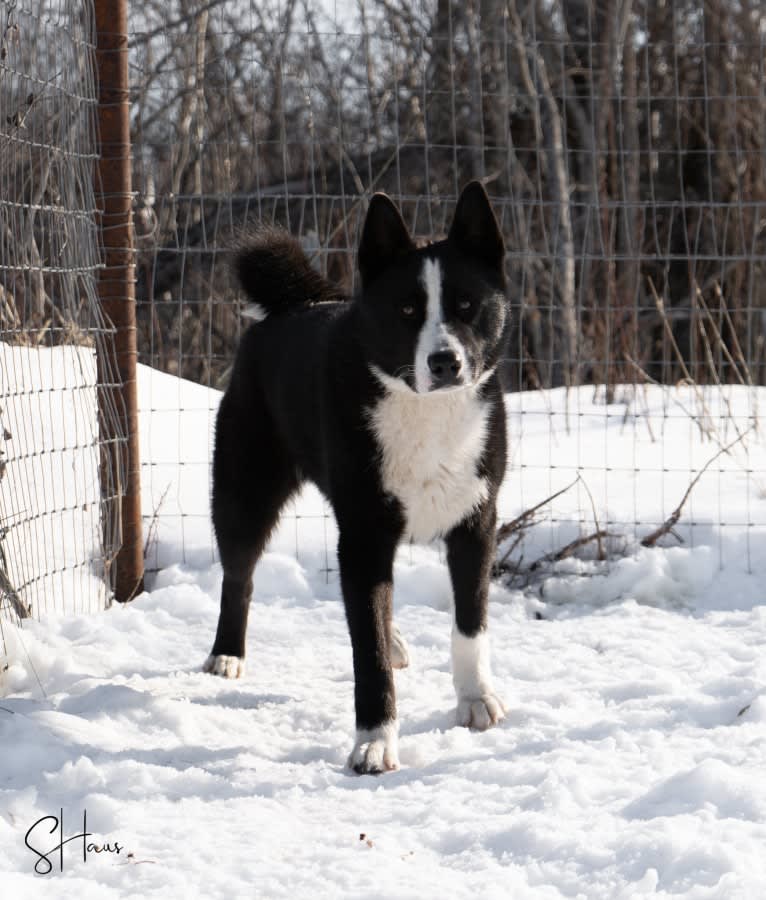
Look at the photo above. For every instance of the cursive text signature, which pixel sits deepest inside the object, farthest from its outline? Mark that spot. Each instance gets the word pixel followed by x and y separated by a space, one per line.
pixel 40 833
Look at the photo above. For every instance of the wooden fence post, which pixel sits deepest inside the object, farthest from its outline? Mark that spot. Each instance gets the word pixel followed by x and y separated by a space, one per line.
pixel 120 463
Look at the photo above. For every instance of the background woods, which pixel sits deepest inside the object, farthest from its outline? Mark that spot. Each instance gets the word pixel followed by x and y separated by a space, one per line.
pixel 623 142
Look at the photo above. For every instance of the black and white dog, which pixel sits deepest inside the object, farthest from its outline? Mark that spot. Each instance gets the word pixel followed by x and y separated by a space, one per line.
pixel 390 403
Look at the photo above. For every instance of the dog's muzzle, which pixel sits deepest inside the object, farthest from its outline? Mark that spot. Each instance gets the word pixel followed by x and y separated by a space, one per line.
pixel 446 368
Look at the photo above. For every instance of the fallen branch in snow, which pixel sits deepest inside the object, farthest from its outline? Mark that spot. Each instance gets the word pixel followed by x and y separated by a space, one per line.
pixel 500 567
pixel 540 570
pixel 521 521
pixel 570 548
pixel 517 527
pixel 672 520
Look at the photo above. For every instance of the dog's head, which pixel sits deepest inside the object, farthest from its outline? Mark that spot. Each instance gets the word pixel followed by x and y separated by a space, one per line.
pixel 434 316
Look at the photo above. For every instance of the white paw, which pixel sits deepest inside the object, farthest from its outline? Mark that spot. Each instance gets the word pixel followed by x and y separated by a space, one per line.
pixel 376 750
pixel 400 652
pixel 480 712
pixel 225 666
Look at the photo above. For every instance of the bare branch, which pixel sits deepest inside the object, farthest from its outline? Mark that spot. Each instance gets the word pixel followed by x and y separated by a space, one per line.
pixel 672 520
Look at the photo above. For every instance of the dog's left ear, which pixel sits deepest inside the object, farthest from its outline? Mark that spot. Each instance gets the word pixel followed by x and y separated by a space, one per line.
pixel 475 229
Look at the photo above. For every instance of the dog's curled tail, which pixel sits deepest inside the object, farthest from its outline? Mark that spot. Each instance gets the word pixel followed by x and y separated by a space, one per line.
pixel 277 276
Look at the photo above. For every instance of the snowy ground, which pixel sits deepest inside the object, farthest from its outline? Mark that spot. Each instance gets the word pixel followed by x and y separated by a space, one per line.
pixel 631 763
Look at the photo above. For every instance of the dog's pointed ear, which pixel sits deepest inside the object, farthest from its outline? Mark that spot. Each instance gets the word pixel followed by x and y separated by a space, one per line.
pixel 384 237
pixel 475 229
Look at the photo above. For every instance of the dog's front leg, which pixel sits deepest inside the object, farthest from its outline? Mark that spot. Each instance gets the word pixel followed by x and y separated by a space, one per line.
pixel 470 551
pixel 366 557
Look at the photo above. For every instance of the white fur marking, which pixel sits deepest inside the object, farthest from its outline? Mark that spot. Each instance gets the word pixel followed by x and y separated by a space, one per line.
pixel 376 750
pixel 477 704
pixel 434 334
pixel 432 327
pixel 430 447
pixel 255 312
pixel 226 666
pixel 400 652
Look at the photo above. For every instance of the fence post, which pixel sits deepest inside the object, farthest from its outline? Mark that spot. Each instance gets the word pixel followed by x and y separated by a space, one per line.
pixel 117 287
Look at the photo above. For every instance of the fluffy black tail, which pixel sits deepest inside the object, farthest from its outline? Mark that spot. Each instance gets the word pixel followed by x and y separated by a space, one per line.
pixel 275 273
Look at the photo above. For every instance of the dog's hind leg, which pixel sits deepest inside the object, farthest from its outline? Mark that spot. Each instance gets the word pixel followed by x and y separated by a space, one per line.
pixel 252 478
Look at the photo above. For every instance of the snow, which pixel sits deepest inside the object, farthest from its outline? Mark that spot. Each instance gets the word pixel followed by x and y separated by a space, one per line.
pixel 631 761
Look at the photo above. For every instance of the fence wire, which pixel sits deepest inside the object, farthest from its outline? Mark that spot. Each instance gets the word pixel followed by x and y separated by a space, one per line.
pixel 59 526
pixel 624 147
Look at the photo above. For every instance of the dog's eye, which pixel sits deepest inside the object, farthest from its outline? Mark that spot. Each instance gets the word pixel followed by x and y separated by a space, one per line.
pixel 408 310
pixel 464 306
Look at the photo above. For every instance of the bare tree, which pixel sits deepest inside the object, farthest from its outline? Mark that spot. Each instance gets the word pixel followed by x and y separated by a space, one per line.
pixel 623 142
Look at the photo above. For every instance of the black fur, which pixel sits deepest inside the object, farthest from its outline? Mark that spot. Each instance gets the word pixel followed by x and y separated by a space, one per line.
pixel 273 270
pixel 298 407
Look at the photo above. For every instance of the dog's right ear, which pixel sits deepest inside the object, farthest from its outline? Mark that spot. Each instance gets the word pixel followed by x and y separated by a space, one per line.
pixel 384 237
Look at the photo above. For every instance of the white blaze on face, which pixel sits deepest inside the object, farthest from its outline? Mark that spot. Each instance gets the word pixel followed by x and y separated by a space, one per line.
pixel 434 334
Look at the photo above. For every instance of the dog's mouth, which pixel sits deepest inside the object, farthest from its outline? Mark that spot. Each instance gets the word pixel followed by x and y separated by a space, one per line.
pixel 451 384
pixel 405 379
pixel 457 385
pixel 408 379
pixel 468 380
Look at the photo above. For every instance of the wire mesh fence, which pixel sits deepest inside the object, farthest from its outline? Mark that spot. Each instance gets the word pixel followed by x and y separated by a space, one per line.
pixel 624 148
pixel 59 525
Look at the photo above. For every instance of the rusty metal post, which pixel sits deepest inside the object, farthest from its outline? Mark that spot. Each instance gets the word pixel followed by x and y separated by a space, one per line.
pixel 117 287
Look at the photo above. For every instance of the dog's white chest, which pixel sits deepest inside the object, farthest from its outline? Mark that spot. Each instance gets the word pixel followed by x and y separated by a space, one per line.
pixel 430 449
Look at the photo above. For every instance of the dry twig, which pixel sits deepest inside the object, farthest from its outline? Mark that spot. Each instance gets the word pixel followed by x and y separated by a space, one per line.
pixel 508 528
pixel 672 520
pixel 705 418
pixel 151 531
pixel 568 549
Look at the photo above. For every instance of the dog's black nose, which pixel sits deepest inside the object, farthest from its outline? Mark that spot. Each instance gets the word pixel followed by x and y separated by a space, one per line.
pixel 445 366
